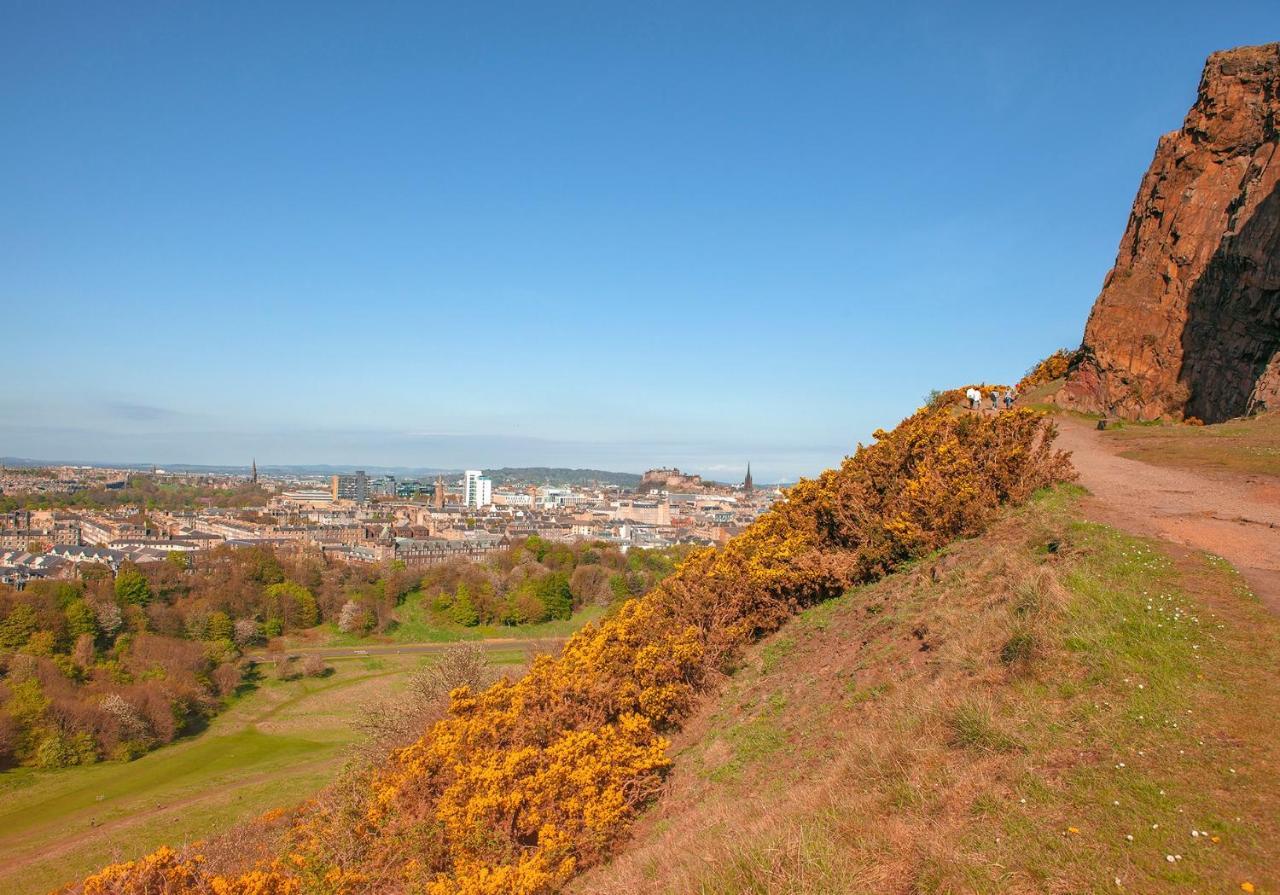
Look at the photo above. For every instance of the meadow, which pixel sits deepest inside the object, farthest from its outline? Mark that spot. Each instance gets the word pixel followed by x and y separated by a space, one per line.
pixel 278 742
pixel 416 623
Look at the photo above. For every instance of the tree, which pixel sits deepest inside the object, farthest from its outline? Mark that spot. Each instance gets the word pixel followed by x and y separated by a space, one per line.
pixel 246 631
pixel 219 627
pixel 109 618
pixel 353 618
pixel 462 611
pixel 131 585
pixel 18 626
pixel 80 619
pixel 297 604
pixel 83 653
pixel 553 591
pixel 590 584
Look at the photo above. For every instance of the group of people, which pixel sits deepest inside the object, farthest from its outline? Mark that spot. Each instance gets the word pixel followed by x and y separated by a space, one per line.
pixel 1007 397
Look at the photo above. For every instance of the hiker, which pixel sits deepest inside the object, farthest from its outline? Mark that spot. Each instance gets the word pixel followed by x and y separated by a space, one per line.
pixel 1008 399
pixel 972 394
pixel 995 401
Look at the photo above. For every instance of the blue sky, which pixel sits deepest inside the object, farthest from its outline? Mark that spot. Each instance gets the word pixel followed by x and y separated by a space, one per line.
pixel 591 234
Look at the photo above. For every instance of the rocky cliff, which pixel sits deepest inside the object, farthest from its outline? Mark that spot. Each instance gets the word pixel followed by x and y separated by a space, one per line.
pixel 1188 322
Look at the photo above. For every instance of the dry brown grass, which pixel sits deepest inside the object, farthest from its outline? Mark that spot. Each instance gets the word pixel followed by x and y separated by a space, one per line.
pixel 893 741
pixel 1243 446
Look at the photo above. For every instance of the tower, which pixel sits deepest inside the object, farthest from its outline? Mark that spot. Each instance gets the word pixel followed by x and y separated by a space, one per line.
pixel 254 475
pixel 747 485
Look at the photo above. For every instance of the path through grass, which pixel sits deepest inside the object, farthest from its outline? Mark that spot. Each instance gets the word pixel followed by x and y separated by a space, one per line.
pixel 272 748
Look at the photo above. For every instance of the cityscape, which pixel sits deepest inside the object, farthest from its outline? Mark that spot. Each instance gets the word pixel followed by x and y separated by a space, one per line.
pixel 354 517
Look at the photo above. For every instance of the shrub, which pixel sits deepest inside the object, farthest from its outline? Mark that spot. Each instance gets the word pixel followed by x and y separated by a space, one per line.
pixel 285 669
pixel 1055 366
pixel 315 666
pixel 60 750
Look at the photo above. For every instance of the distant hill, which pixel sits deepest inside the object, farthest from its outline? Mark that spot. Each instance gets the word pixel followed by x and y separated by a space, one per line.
pixel 554 475
pixel 511 475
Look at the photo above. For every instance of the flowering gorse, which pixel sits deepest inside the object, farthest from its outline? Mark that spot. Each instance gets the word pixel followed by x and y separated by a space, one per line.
pixel 526 783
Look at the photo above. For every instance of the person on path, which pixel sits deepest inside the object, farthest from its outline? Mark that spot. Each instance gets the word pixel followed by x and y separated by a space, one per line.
pixel 1008 399
pixel 974 397
pixel 995 400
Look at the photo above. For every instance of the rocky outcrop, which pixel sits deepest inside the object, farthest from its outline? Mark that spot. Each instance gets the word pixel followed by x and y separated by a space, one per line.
pixel 1188 322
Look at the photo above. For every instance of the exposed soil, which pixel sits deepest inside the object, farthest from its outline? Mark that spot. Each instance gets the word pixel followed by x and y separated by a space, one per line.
pixel 1233 515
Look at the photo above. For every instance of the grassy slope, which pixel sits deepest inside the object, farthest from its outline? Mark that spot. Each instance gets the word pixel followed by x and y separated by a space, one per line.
pixel 272 748
pixel 1004 728
pixel 1245 445
pixel 1250 445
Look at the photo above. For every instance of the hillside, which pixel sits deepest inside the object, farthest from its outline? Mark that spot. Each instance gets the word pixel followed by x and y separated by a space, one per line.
pixel 525 784
pixel 1054 706
pixel 555 475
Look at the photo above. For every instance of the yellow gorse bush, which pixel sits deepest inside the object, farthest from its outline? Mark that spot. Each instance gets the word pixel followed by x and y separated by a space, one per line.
pixel 1055 366
pixel 524 784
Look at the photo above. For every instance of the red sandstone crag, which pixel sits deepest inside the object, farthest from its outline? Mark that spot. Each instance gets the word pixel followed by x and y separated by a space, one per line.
pixel 1188 322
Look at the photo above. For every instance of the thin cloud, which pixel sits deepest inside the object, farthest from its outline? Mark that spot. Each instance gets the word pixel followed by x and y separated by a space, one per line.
pixel 141 412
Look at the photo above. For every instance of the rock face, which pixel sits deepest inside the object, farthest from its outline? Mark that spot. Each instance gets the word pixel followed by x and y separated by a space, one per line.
pixel 1188 322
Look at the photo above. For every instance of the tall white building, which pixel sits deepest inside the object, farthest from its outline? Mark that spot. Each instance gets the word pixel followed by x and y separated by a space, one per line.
pixel 477 489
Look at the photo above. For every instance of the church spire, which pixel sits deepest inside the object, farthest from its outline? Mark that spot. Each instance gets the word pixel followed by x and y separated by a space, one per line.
pixel 254 477
pixel 747 485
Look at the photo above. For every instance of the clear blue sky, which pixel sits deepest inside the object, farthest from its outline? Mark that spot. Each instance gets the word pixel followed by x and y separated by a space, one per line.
pixel 606 234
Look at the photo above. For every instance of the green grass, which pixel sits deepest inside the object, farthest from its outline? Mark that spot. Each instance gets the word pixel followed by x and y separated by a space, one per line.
pixel 271 748
pixel 416 622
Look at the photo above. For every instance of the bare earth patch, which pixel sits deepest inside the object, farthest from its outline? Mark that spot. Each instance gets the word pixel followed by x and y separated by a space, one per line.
pixel 1220 510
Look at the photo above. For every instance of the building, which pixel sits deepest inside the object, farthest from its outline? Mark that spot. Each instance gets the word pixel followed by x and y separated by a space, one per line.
pixel 477 489
pixel 512 499
pixel 747 485
pixel 647 512
pixel 351 487
pixel 668 479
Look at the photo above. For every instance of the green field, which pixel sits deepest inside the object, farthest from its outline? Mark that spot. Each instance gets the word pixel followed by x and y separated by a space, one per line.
pixel 273 747
pixel 417 623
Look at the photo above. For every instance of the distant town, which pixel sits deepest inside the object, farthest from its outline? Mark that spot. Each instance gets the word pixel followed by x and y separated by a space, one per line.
pixel 56 518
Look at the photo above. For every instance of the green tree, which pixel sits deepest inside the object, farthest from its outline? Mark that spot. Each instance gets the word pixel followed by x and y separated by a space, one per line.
pixel 297 604
pixel 537 547
pixel 131 585
pixel 462 611
pixel 220 627
pixel 80 619
pixel 18 627
pixel 553 590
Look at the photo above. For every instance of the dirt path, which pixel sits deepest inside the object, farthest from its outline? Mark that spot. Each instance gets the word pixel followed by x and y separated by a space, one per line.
pixel 1234 516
